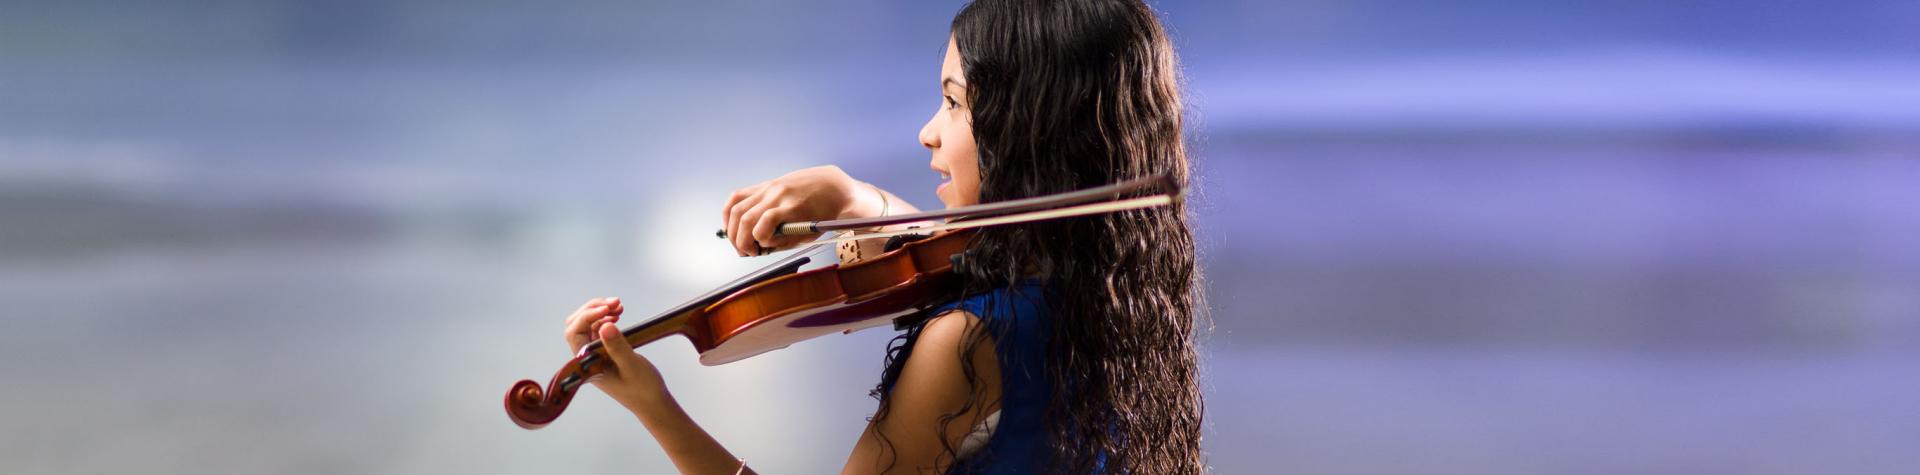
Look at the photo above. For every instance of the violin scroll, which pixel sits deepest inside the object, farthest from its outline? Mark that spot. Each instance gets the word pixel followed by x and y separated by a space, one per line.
pixel 527 405
pixel 531 408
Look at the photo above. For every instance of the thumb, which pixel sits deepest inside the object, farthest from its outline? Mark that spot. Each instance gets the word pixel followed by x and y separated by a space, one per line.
pixel 617 347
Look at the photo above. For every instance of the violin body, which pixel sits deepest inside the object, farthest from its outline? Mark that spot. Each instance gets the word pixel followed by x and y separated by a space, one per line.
pixel 766 311
pixel 843 298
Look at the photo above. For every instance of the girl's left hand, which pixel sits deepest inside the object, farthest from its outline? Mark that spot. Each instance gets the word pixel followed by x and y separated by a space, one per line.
pixel 632 380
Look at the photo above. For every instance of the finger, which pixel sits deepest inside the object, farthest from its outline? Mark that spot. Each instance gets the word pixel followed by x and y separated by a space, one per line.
pixel 579 332
pixel 618 350
pixel 735 197
pixel 591 332
pixel 743 234
pixel 747 197
pixel 768 222
pixel 592 309
pixel 745 241
pixel 739 229
pixel 583 309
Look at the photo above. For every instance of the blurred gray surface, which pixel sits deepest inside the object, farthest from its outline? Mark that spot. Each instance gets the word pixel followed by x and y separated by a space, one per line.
pixel 1490 237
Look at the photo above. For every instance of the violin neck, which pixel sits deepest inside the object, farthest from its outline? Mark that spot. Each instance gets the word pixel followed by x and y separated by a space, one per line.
pixel 675 320
pixel 655 329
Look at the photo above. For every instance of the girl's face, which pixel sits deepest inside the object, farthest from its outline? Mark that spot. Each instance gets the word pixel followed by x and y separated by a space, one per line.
pixel 949 135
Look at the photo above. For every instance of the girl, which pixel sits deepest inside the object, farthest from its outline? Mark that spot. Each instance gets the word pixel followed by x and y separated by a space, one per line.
pixel 1069 346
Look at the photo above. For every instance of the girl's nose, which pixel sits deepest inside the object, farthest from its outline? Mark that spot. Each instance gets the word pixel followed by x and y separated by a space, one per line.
pixel 929 135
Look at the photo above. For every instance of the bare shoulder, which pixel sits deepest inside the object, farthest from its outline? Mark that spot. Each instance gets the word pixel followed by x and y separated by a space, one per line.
pixel 933 400
pixel 940 351
pixel 948 329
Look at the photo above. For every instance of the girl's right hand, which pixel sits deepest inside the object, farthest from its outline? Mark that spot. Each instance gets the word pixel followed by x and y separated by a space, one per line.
pixel 813 194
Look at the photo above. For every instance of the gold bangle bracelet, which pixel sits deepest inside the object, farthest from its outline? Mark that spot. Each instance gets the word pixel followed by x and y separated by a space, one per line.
pixel 885 205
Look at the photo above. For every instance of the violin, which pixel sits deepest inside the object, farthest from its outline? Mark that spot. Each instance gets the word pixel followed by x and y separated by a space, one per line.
pixel 780 304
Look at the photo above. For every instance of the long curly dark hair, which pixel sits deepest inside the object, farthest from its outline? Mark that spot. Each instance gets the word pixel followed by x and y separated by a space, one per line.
pixel 1066 95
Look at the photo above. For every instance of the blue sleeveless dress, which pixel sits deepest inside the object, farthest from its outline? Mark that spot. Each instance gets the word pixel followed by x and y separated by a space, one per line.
pixel 1016 318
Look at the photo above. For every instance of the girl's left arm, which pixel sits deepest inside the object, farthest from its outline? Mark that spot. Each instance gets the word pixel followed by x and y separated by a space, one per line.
pixel 636 384
pixel 690 447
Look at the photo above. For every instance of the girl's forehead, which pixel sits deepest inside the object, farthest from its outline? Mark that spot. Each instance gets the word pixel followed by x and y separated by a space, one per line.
pixel 950 67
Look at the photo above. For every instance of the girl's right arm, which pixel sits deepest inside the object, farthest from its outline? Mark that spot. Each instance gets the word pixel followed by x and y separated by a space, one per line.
pixel 813 194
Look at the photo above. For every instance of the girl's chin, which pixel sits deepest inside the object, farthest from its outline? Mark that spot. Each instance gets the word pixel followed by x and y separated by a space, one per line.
pixel 942 192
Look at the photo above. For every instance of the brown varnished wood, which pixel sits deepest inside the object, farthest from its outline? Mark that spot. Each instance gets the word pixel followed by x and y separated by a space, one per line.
pixel 766 315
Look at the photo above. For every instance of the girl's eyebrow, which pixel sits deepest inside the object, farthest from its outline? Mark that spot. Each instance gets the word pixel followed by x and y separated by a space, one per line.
pixel 944 82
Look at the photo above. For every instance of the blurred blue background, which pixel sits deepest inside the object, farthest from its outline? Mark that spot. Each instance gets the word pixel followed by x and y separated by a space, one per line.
pixel 1448 238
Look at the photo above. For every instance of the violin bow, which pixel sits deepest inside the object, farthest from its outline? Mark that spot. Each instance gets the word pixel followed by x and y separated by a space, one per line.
pixel 1098 200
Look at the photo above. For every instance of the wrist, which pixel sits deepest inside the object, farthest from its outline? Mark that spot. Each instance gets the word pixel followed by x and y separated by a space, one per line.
pixel 864 200
pixel 651 404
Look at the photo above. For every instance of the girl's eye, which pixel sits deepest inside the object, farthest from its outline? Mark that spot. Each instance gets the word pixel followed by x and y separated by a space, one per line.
pixel 951 104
